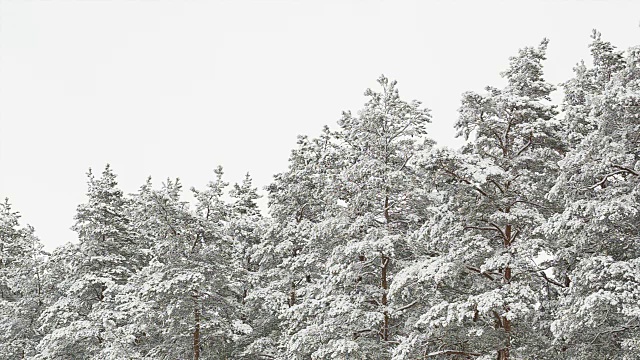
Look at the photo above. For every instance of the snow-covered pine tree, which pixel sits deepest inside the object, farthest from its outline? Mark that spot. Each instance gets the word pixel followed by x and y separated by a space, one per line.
pixel 181 305
pixel 59 266
pixel 130 333
pixel 349 314
pixel 159 298
pixel 599 315
pixel 288 263
pixel 222 321
pixel 21 285
pixel 478 274
pixel 244 197
pixel 245 228
pixel 578 120
pixel 106 257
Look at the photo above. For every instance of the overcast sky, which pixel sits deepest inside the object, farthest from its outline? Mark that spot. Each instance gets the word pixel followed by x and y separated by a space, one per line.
pixel 174 88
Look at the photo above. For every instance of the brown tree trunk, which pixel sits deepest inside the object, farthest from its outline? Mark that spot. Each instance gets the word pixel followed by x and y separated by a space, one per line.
pixel 196 331
pixel 292 294
pixel 383 277
pixel 503 354
pixel 385 287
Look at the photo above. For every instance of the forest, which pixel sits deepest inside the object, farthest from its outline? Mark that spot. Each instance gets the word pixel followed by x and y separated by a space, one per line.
pixel 378 243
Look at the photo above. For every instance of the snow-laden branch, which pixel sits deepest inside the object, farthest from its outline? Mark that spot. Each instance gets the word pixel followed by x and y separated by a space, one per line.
pixel 466 181
pixel 633 172
pixel 451 352
pixel 526 146
pixel 485 274
pixel 551 281
pixel 623 170
pixel 497 185
pixel 622 328
pixel 406 307
pixel 483 228
pixel 493 227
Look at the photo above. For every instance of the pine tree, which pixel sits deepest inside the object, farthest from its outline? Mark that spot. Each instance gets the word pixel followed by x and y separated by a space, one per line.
pixel 288 265
pixel 76 323
pixel 21 285
pixel 349 313
pixel 181 305
pixel 599 259
pixel 478 274
pixel 246 227
pixel 578 119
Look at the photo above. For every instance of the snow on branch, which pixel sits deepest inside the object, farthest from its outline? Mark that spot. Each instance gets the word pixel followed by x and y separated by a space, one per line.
pixel 451 352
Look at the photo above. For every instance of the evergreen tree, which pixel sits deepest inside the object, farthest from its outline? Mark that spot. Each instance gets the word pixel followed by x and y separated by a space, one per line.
pixel 349 315
pixel 182 304
pixel 21 285
pixel 484 291
pixel 599 259
pixel 246 226
pixel 287 257
pixel 578 119
pixel 76 323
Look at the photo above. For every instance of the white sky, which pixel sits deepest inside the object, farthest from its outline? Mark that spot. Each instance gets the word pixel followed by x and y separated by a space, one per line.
pixel 174 88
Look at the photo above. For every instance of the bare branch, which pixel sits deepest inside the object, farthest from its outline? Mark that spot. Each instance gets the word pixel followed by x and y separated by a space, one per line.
pixel 513 238
pixel 364 331
pixel 406 160
pixel 504 236
pixel 500 140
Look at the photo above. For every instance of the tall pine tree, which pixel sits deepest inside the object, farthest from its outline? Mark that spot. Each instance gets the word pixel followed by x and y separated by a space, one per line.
pixel 482 289
pixel 599 258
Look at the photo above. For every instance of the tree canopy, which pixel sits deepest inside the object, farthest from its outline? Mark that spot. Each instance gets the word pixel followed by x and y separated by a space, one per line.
pixel 378 243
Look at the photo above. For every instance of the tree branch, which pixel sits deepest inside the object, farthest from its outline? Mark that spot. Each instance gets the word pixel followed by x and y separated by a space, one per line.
pixel 451 352
pixel 551 281
pixel 626 169
pixel 483 228
pixel 504 236
pixel 479 272
pixel 605 178
pixel 406 306
pixel 497 185
pixel 525 147
pixel 475 187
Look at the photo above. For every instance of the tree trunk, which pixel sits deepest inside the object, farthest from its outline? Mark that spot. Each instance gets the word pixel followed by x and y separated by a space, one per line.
pixel 383 276
pixel 196 331
pixel 385 287
pixel 503 354
pixel 292 294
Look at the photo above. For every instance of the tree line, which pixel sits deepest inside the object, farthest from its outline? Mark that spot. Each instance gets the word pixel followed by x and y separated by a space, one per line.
pixel 378 244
